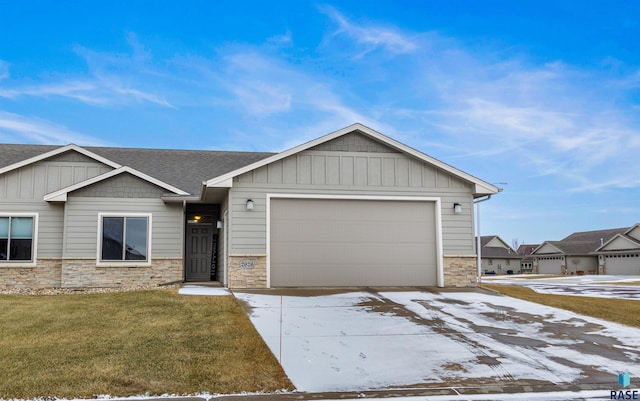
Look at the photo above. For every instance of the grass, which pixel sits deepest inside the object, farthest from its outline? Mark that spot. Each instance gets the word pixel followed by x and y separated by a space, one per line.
pixel 130 343
pixel 614 310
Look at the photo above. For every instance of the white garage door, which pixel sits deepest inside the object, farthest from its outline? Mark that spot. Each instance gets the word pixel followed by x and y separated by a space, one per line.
pixel 333 243
pixel 550 265
pixel 622 264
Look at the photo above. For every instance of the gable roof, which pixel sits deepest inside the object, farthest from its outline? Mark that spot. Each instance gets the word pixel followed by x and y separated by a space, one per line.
pixel 584 242
pixel 184 170
pixel 61 195
pixel 526 249
pixel 620 242
pixel 190 171
pixel 480 187
pixel 10 153
pixel 622 238
pixel 490 250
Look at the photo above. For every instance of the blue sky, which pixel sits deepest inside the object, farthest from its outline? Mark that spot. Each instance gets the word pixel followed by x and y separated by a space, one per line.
pixel 541 95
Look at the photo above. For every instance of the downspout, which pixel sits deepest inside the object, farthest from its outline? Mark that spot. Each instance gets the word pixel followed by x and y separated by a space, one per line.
pixel 478 243
pixel 184 241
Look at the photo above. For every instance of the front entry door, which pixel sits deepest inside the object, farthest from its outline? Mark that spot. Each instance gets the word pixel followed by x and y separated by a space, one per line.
pixel 198 252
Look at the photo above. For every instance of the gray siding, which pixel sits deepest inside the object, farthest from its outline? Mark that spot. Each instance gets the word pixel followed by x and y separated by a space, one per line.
pixel 50 224
pixel 122 186
pixel 354 142
pixel 81 224
pixel 34 181
pixel 349 173
pixel 23 189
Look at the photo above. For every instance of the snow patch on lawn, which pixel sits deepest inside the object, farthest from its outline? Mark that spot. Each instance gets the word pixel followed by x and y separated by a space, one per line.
pixel 202 290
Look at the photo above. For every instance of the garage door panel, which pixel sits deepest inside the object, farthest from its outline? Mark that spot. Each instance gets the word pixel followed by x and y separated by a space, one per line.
pixel 329 242
pixel 549 266
pixel 626 264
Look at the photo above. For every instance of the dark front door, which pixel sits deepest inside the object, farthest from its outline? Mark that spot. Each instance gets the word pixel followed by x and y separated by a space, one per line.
pixel 198 252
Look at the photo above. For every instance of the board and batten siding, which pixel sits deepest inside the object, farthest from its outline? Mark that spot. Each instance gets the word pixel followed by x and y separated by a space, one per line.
pixel 349 173
pixel 81 224
pixel 22 191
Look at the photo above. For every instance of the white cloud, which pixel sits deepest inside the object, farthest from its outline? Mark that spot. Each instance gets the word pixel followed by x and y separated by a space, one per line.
pixel 371 37
pixel 107 82
pixel 83 91
pixel 17 128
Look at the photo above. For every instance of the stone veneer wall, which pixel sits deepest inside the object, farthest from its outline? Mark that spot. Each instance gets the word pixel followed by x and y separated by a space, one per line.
pixel 45 275
pixel 460 271
pixel 247 272
pixel 83 273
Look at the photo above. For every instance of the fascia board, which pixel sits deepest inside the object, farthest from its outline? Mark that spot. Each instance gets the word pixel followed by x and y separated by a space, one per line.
pixel 56 152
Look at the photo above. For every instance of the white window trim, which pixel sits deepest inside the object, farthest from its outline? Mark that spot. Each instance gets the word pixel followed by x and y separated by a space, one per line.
pixel 34 242
pixel 124 263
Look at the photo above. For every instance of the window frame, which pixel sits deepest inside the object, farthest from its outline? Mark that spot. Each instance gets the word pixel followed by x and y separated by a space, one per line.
pixel 34 242
pixel 123 263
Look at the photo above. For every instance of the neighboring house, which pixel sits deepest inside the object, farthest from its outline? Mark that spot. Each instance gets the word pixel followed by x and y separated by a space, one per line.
pixel 621 254
pixel 498 257
pixel 351 208
pixel 575 254
pixel 526 263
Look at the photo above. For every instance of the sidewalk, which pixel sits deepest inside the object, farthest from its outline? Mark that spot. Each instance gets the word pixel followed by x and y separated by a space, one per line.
pixel 498 393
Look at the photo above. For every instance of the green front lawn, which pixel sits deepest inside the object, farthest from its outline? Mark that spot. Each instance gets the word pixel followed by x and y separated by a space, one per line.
pixel 130 343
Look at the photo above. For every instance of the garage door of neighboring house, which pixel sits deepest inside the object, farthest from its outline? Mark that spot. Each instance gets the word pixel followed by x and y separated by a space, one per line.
pixel 550 265
pixel 622 264
pixel 344 242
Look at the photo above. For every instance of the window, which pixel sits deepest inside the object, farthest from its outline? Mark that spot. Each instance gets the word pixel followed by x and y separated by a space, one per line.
pixel 17 241
pixel 124 238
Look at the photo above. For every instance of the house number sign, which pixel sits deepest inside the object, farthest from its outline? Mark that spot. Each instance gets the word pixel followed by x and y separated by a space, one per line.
pixel 247 264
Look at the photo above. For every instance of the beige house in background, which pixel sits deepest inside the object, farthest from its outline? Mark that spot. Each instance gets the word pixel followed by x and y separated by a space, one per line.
pixel 351 208
pixel 611 251
pixel 621 254
pixel 498 257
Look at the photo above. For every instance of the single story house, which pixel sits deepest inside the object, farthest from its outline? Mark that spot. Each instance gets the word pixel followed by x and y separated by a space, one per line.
pixel 351 208
pixel 585 253
pixel 497 256
pixel 621 254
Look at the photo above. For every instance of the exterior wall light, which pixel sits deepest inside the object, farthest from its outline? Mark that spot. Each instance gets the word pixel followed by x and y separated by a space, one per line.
pixel 249 204
pixel 219 224
pixel 457 208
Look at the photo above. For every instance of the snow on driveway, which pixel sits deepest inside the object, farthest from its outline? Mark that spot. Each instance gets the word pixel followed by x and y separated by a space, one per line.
pixel 375 340
pixel 599 286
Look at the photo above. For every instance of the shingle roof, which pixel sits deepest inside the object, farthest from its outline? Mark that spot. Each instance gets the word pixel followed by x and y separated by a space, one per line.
pixel 496 252
pixel 184 169
pixel 526 249
pixel 583 243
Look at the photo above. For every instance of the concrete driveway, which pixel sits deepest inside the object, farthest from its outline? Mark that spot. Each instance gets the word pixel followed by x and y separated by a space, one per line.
pixel 368 340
